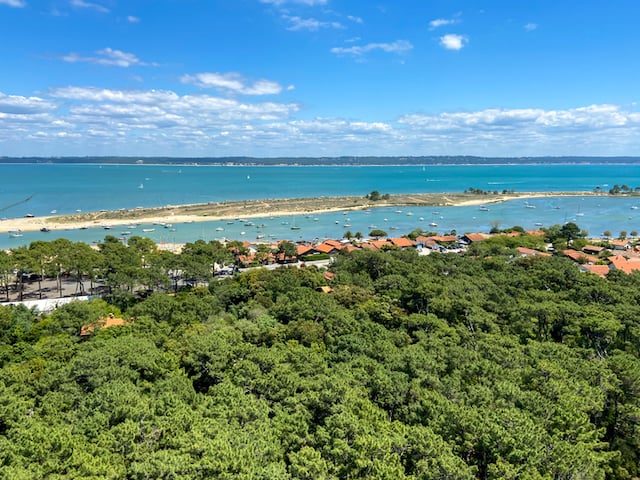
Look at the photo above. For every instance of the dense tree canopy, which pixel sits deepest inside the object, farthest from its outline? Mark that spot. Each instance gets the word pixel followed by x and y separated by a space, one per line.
pixel 437 367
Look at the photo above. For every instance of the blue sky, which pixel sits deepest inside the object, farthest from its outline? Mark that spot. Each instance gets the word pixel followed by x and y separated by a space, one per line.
pixel 316 78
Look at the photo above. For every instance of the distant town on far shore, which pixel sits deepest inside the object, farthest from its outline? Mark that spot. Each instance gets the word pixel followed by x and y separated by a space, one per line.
pixel 319 161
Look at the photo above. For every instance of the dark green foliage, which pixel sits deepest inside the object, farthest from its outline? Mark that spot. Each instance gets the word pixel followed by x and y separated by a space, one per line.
pixel 437 367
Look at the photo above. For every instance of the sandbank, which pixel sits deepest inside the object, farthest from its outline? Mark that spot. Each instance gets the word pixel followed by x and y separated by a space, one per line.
pixel 207 212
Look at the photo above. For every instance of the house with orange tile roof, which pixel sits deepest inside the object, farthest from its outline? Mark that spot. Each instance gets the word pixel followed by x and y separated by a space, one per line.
pixel 621 244
pixel 334 243
pixel 444 239
pixel 618 262
pixel 600 270
pixel 304 249
pixel 379 244
pixel 469 238
pixel 579 257
pixel 326 247
pixel 402 242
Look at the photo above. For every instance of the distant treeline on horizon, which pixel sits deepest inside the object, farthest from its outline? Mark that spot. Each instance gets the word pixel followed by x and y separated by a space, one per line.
pixel 345 160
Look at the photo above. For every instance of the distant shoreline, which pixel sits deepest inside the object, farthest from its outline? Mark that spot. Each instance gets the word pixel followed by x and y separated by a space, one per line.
pixel 342 161
pixel 213 211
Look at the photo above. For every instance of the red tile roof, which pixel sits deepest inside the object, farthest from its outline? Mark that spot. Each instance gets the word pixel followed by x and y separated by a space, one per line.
pixel 445 238
pixel 334 243
pixel 577 256
pixel 402 242
pixel 325 247
pixel 476 237
pixel 600 270
pixel 627 266
pixel 304 249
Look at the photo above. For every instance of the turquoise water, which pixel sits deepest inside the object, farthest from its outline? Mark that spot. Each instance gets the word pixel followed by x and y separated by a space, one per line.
pixel 39 189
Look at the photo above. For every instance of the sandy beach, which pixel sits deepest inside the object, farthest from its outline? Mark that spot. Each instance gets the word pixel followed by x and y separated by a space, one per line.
pixel 206 212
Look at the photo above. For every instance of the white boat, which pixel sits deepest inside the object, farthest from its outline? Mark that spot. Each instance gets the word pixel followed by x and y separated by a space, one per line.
pixel 483 209
pixel 15 234
pixel 433 224
pixel 126 232
pixel 219 229
pixel 53 212
pixel 409 214
pixel 259 236
pixel 531 206
pixel 295 228
pixel 147 230
pixel 346 225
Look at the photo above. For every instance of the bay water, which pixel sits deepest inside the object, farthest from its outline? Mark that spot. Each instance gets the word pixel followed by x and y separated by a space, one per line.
pixel 39 189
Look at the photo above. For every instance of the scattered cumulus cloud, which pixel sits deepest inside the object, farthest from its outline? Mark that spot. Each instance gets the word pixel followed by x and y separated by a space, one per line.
pixel 81 120
pixel 529 27
pixel 453 41
pixel 14 3
pixel 132 19
pixel 397 47
pixel 355 19
pixel 311 24
pixel 441 22
pixel 234 83
pixel 107 57
pixel 19 105
pixel 89 5
pixel 592 117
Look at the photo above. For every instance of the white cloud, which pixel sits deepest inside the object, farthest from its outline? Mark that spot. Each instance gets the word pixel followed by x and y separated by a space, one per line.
pixel 92 94
pixel 312 24
pixel 453 41
pixel 107 57
pixel 398 47
pixel 441 22
pixel 593 117
pixel 19 105
pixel 355 19
pixel 529 27
pixel 14 3
pixel 234 83
pixel 88 120
pixel 132 19
pixel 92 6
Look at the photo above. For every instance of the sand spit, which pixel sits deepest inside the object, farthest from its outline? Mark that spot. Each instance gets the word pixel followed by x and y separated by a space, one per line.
pixel 206 212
